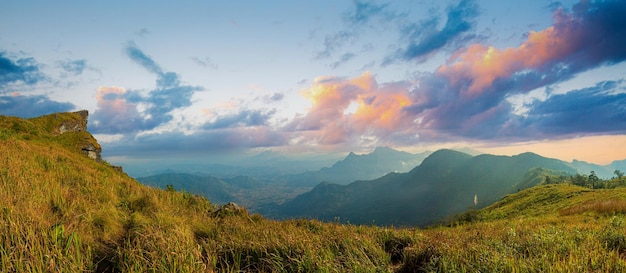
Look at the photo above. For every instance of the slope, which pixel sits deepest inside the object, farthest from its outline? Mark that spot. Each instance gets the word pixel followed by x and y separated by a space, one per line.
pixel 62 211
pixel 547 228
pixel 444 184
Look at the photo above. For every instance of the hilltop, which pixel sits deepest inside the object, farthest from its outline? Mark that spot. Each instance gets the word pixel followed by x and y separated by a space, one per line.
pixel 64 211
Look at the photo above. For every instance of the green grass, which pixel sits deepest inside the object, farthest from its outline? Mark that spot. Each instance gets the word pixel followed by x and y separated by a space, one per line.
pixel 63 212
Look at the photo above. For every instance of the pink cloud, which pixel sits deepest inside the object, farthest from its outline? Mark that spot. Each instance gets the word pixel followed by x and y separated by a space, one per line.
pixel 379 110
pixel 571 41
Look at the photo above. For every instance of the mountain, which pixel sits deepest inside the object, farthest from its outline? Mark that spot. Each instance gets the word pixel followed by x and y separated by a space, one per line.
pixel 215 189
pixel 602 171
pixel 444 184
pixel 381 161
pixel 262 192
pixel 248 191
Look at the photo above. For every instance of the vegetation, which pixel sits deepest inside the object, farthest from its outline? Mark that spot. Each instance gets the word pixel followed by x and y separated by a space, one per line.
pixel 589 181
pixel 63 212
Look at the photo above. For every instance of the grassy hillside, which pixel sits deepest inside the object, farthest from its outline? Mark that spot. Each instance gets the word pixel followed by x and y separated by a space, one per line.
pixel 64 212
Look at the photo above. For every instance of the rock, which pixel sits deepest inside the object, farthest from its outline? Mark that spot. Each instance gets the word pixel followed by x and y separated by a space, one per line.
pixel 92 151
pixel 229 210
pixel 76 124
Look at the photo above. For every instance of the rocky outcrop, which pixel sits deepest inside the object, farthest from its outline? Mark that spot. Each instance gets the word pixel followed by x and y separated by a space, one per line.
pixel 73 125
pixel 92 151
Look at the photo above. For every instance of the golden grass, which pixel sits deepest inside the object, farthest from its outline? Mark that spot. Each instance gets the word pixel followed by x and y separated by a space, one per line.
pixel 63 212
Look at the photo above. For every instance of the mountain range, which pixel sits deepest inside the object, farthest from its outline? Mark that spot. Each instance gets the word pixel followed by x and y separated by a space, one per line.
pixel 385 187
pixel 446 183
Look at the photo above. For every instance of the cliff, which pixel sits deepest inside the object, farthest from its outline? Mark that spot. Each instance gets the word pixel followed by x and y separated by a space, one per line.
pixel 70 129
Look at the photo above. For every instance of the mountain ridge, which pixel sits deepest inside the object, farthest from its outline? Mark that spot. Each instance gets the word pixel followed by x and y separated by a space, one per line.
pixel 444 184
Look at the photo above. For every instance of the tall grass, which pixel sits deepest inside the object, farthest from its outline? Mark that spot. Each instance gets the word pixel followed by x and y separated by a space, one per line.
pixel 63 212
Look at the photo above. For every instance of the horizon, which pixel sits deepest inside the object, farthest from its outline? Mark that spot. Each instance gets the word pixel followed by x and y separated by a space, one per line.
pixel 324 78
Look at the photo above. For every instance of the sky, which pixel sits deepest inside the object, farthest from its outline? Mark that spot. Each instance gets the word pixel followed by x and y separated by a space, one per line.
pixel 195 79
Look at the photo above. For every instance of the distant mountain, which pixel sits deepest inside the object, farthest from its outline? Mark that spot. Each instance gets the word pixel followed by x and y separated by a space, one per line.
pixel 602 171
pixel 244 190
pixel 618 165
pixel 444 184
pixel 257 191
pixel 381 161
pixel 215 189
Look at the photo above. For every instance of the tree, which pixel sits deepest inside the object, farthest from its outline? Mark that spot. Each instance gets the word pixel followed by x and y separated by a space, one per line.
pixel 594 180
pixel 618 174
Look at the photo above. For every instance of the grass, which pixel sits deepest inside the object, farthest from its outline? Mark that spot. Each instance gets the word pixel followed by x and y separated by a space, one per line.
pixel 63 212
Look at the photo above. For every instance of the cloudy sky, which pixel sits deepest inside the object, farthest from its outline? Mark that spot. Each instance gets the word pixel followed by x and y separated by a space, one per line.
pixel 183 79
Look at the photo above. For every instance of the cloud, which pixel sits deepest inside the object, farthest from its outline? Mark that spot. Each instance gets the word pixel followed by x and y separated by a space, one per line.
pixel 423 38
pixel 128 111
pixel 344 58
pixel 466 97
pixel 597 109
pixel 115 114
pixel 198 143
pixel 244 118
pixel 364 11
pixel 206 62
pixel 143 32
pixel 142 59
pixel 276 97
pixel 343 110
pixel 335 41
pixel 75 67
pixel 31 106
pixel 19 70
pixel 594 34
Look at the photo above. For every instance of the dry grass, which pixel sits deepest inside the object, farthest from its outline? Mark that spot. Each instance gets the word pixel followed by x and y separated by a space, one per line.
pixel 608 207
pixel 63 212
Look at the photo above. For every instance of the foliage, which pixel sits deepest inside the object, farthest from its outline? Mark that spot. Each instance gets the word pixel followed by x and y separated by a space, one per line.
pixel 588 181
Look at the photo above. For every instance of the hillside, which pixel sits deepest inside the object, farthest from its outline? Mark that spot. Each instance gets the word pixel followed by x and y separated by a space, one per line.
pixel 444 184
pixel 63 211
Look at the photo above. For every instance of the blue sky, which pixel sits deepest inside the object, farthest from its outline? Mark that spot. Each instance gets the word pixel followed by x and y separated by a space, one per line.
pixel 197 78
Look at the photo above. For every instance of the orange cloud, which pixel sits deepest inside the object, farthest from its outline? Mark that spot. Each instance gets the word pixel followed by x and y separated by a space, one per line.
pixel 379 109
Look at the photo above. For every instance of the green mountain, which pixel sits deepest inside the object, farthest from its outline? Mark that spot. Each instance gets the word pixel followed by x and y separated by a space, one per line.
pixel 446 183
